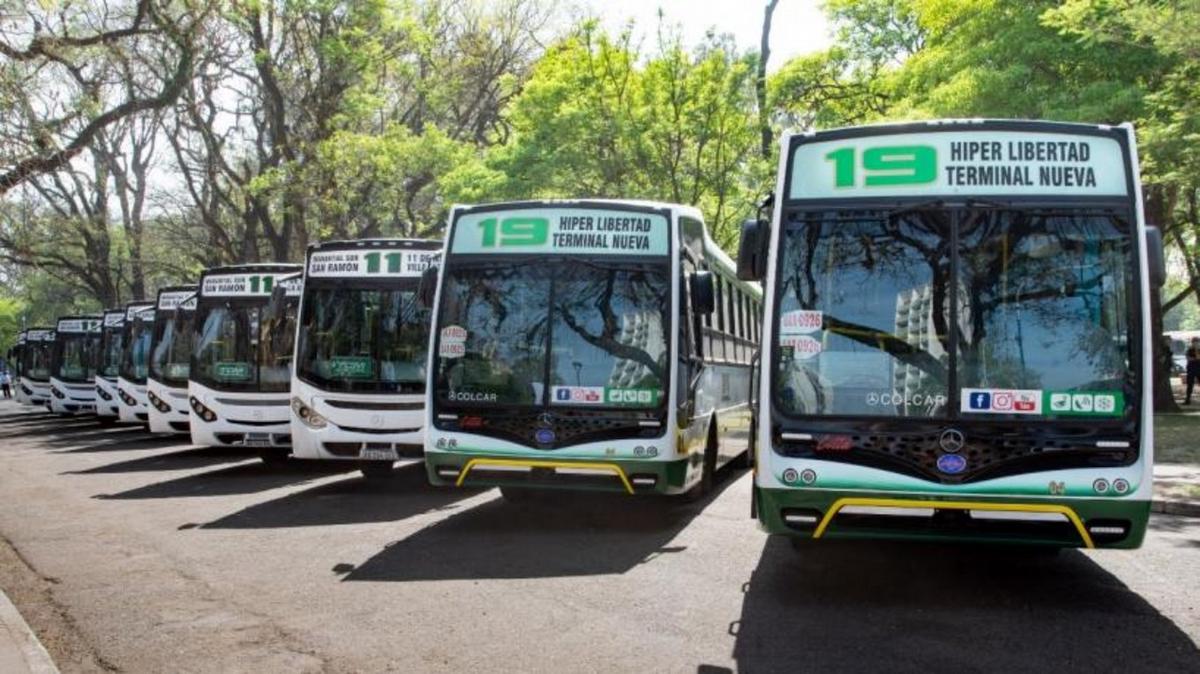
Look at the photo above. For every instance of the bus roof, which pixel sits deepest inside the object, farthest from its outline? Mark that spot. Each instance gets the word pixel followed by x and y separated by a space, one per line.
pixel 959 124
pixel 350 244
pixel 679 209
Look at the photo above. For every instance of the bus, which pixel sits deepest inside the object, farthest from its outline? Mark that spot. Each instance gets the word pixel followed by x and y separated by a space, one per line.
pixel 958 342
pixel 170 360
pixel 362 341
pixel 108 363
pixel 241 371
pixel 137 331
pixel 597 344
pixel 34 383
pixel 72 367
pixel 14 371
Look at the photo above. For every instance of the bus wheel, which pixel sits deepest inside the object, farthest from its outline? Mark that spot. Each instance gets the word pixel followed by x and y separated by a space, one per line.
pixel 518 494
pixel 376 470
pixel 274 456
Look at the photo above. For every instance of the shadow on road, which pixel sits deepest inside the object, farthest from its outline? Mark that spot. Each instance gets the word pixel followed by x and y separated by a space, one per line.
pixel 50 426
pixel 84 436
pixel 349 501
pixel 126 443
pixel 247 478
pixel 562 533
pixel 869 606
pixel 193 457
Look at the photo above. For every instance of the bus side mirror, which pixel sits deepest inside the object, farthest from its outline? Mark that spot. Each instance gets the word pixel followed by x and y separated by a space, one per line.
pixel 1155 258
pixel 752 251
pixel 427 289
pixel 702 292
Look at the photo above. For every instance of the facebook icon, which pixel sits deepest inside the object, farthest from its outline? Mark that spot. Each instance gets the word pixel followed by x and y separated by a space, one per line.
pixel 980 400
pixel 563 394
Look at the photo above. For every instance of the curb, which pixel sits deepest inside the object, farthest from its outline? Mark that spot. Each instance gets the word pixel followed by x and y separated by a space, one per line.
pixel 15 633
pixel 1175 507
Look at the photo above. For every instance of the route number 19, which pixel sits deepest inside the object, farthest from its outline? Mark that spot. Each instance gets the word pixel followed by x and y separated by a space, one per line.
pixel 885 166
pixel 515 231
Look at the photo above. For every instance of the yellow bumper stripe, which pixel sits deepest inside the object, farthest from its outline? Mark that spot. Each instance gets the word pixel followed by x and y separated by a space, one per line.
pixel 954 505
pixel 541 463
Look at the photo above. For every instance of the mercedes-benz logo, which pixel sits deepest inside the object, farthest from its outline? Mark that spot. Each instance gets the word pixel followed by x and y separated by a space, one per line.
pixel 377 420
pixel 545 420
pixel 952 440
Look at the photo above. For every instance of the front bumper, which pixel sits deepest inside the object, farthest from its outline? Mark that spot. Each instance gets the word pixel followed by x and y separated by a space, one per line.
pixel 457 469
pixel 1063 522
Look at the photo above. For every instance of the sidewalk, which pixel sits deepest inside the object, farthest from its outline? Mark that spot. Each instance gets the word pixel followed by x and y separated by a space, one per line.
pixel 1177 489
pixel 20 650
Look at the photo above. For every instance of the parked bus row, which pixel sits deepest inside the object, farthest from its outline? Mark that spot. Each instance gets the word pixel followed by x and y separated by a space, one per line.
pixel 952 324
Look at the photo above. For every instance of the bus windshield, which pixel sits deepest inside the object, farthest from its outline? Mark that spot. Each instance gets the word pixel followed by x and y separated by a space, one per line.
pixel 240 348
pixel 563 331
pixel 364 339
pixel 172 355
pixel 111 347
pixel 136 348
pixel 880 313
pixel 35 360
pixel 74 357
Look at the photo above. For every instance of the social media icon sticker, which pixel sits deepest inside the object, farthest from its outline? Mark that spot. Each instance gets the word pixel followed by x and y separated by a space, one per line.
pixel 1060 402
pixel 563 394
pixel 981 400
pixel 1104 403
pixel 1002 401
pixel 1081 402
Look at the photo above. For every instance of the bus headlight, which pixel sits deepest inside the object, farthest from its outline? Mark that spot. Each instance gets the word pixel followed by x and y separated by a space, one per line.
pixel 306 414
pixel 126 398
pixel 202 411
pixel 57 393
pixel 103 394
pixel 158 403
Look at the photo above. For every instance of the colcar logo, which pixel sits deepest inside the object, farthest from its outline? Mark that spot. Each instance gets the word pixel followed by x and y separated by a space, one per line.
pixel 952 440
pixel 376 420
pixel 544 436
pixel 951 464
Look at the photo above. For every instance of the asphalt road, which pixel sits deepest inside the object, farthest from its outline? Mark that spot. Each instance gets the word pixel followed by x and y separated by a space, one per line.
pixel 135 553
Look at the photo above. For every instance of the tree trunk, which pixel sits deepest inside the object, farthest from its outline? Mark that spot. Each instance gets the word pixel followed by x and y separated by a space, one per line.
pixel 760 83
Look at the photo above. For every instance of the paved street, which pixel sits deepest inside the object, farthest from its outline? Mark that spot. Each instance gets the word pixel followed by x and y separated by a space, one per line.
pixel 134 553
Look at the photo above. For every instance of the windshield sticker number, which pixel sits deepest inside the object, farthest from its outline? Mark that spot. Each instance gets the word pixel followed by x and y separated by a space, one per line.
pixel 801 347
pixel 452 342
pixel 801 322
pixel 233 371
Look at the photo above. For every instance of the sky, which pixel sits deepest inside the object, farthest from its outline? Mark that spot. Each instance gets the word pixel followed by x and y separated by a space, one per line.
pixel 799 26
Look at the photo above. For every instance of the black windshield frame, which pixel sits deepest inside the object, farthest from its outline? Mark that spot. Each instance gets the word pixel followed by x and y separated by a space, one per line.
pixel 202 372
pixel 169 326
pixel 35 350
pixel 543 264
pixel 344 289
pixel 108 357
pixel 961 216
pixel 64 342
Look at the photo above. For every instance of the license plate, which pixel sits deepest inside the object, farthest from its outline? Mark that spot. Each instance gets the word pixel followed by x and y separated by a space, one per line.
pixel 257 440
pixel 87 408
pixel 378 455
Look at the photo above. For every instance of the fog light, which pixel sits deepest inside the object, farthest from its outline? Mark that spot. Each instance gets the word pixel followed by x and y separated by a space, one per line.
pixel 306 415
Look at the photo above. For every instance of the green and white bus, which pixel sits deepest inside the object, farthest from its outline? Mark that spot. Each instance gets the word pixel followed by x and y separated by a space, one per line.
pixel 36 355
pixel 593 344
pixel 958 342
pixel 108 364
pixel 171 359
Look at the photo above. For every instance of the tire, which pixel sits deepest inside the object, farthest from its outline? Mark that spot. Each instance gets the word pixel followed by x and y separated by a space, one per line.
pixel 274 456
pixel 518 494
pixel 376 470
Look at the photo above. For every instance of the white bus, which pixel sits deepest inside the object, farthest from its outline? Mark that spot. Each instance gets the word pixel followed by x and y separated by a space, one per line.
pixel 15 355
pixel 170 359
pixel 241 364
pixel 36 354
pixel 362 341
pixel 958 342
pixel 108 363
pixel 72 372
pixel 137 331
pixel 591 343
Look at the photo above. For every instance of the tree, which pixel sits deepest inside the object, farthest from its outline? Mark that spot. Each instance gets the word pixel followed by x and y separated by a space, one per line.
pixel 75 68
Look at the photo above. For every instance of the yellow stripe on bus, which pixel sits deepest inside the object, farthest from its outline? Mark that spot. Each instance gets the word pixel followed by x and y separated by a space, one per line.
pixel 954 505
pixel 541 463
